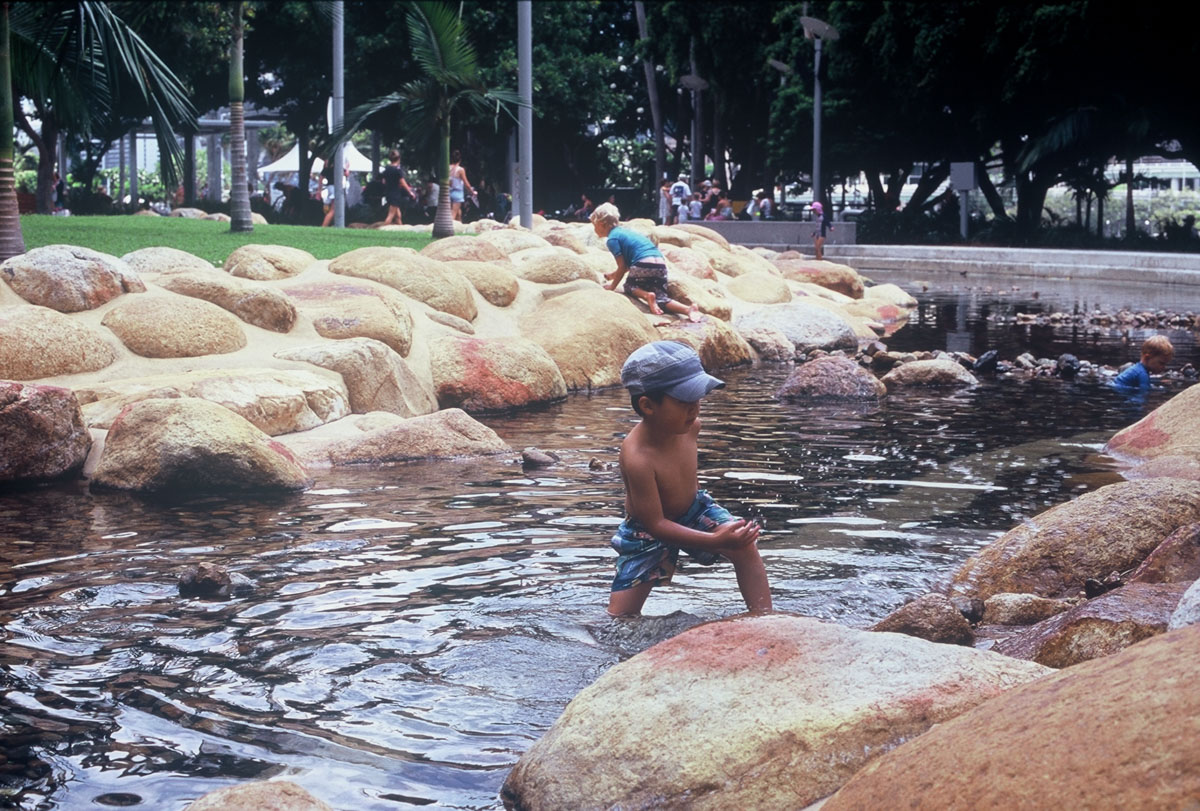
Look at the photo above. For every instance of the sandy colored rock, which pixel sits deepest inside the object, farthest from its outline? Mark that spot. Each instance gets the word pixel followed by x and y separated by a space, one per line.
pixel 931 617
pixel 416 276
pixel 841 278
pixel 263 795
pixel 37 342
pixel 718 344
pixel 589 334
pixel 267 262
pixel 769 344
pixel 767 712
pixel 485 376
pixel 698 230
pixel 275 401
pixel 165 260
pixel 1020 609
pixel 493 280
pixel 378 438
pixel 193 446
pixel 672 235
pixel 807 325
pixel 686 260
pixel 376 376
pixel 1171 430
pixel 565 238
pixel 760 288
pixel 1110 529
pixel 68 278
pixel 511 240
pixel 833 377
pixel 1118 732
pixel 704 293
pixel 189 213
pixel 1100 627
pixel 555 267
pixel 939 372
pixel 463 247
pixel 42 435
pixel 1175 560
pixel 890 294
pixel 262 306
pixel 157 326
pixel 348 309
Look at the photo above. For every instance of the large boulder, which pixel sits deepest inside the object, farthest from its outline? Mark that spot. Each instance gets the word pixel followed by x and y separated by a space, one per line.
pixel 376 376
pixel 1020 609
pixel 261 795
pixel 463 247
pixel 718 344
pixel 842 278
pixel 589 334
pixel 760 288
pixel 189 446
pixel 729 262
pixel 482 376
pixel 156 326
pixel 1117 732
pixel 806 325
pixel 701 231
pixel 345 309
pixel 165 260
pixel 1187 611
pixel 379 438
pixel 416 276
pixel 255 304
pixel 687 260
pixel 938 372
pixel 1110 529
pixel 1168 435
pixel 766 712
pixel 832 377
pixel 495 281
pixel 511 240
pixel 704 293
pixel 42 435
pixel 887 303
pixel 267 262
pixel 554 266
pixel 1175 560
pixel 275 401
pixel 37 342
pixel 1099 627
pixel 932 617
pixel 68 278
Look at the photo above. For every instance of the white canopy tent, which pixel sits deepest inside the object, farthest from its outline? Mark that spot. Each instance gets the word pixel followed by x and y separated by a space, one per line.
pixel 290 163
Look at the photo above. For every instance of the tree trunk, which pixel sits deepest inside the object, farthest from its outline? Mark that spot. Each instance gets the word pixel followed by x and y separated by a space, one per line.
pixel 989 191
pixel 718 143
pixel 1130 225
pixel 45 140
pixel 660 141
pixel 11 241
pixel 239 192
pixel 443 221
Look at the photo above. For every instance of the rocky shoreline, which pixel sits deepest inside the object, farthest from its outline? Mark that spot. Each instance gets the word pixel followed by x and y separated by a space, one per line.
pixel 156 373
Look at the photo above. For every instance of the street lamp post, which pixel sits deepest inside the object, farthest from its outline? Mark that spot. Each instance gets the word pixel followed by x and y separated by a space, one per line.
pixel 817 30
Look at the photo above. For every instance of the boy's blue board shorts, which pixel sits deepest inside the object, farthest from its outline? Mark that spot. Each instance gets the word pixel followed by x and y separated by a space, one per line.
pixel 644 559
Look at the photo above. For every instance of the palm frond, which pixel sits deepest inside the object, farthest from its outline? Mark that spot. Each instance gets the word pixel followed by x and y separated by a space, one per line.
pixel 440 45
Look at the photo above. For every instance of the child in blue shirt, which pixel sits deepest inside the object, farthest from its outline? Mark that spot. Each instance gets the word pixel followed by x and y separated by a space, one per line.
pixel 637 256
pixel 1157 352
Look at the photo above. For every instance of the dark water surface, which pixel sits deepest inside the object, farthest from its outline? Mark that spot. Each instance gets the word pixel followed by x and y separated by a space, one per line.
pixel 412 630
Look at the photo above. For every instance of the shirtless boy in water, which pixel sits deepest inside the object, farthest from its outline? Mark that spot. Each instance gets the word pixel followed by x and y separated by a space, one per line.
pixel 637 256
pixel 664 510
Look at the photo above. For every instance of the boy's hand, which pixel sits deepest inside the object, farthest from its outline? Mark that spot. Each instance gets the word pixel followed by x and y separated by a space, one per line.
pixel 737 533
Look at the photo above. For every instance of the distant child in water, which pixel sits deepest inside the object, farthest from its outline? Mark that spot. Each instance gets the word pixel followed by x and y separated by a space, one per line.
pixel 664 510
pixel 1157 352
pixel 637 256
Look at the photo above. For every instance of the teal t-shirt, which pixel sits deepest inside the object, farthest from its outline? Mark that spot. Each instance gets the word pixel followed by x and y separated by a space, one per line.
pixel 631 246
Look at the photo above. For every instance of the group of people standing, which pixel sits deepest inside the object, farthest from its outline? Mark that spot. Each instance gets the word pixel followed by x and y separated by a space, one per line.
pixel 398 194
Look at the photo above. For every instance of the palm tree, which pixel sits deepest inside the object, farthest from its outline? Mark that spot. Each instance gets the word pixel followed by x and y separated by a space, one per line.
pixel 451 79
pixel 11 241
pixel 81 65
pixel 239 193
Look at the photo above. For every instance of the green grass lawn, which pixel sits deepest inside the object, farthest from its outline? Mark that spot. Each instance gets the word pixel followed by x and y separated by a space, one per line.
pixel 207 239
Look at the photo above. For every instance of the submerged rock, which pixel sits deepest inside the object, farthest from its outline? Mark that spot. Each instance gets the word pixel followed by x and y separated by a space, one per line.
pixel 263 795
pixel 932 617
pixel 832 377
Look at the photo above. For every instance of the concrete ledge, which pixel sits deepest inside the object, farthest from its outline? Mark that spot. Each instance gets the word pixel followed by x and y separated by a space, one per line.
pixel 779 235
pixel 1038 263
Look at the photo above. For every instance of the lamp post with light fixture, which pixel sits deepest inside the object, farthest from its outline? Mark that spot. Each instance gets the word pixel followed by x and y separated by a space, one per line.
pixel 818 31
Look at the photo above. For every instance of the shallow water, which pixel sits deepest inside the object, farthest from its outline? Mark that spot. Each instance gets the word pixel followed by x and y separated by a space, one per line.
pixel 411 631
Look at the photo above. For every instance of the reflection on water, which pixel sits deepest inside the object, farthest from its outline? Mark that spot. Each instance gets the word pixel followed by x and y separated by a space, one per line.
pixel 410 631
